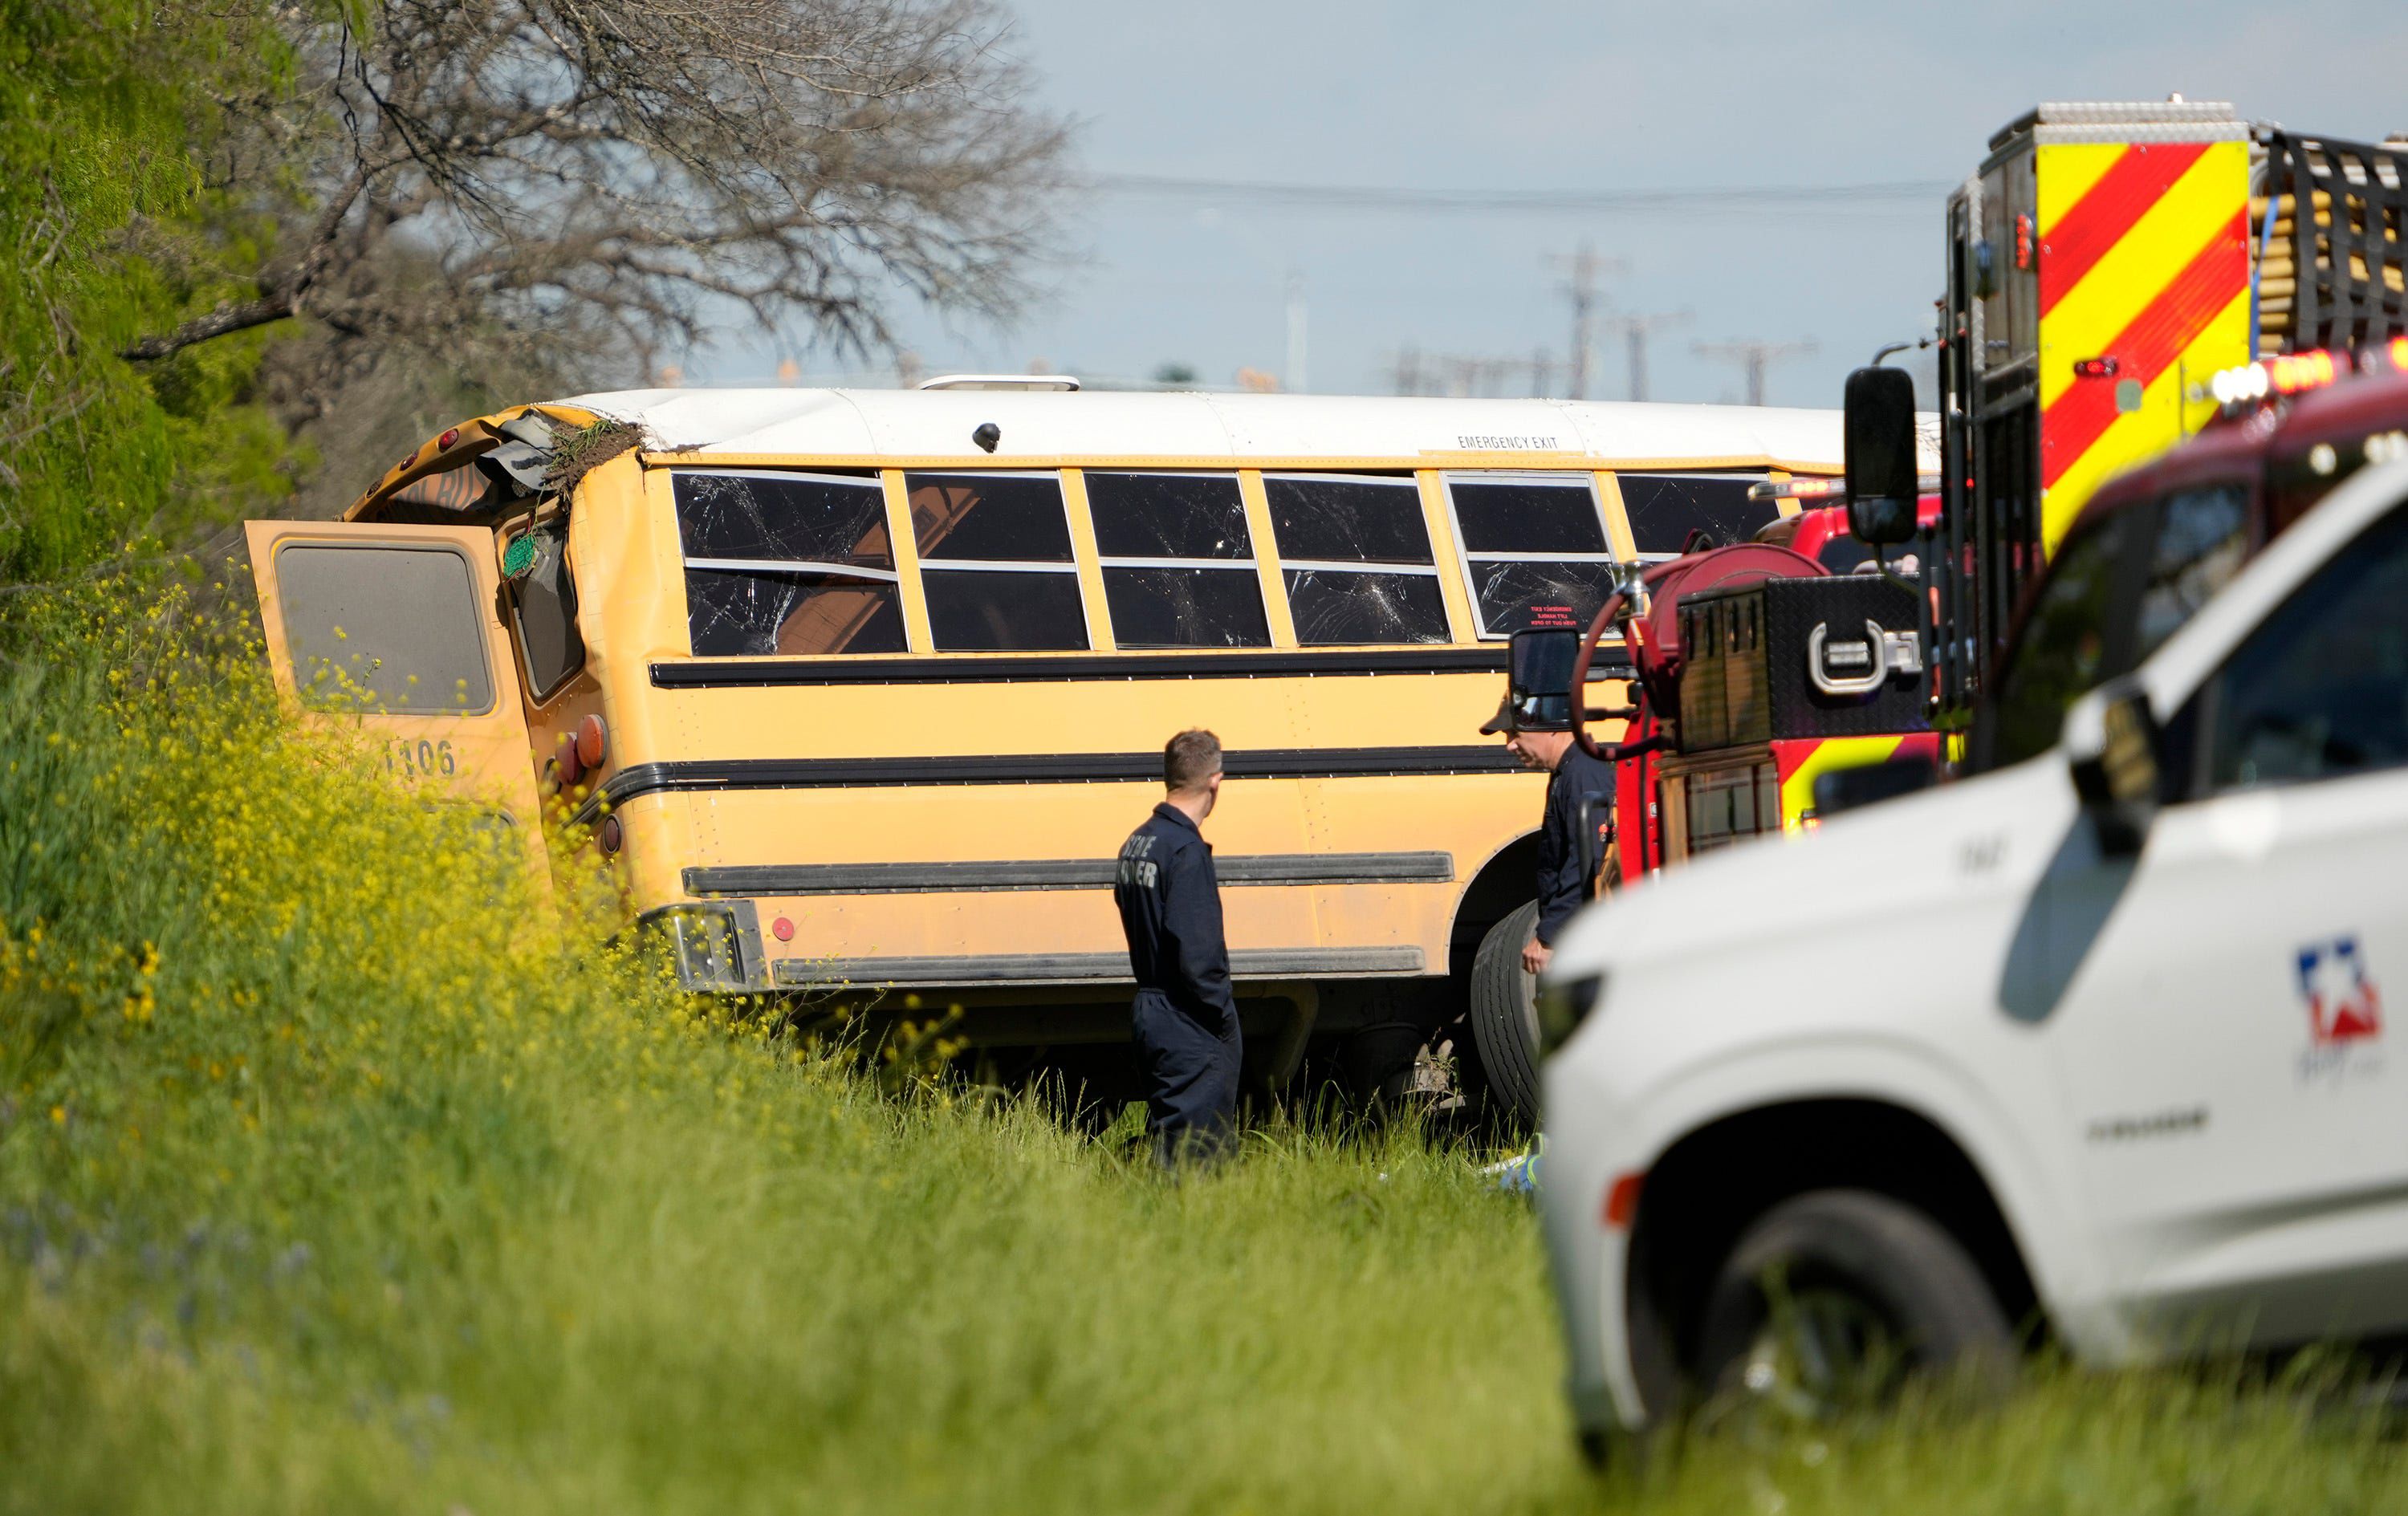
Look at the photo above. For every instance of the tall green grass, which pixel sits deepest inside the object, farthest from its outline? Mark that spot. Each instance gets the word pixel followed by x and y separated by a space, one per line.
pixel 338 1174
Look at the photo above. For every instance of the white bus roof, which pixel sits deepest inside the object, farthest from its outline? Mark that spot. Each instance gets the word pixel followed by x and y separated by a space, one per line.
pixel 922 423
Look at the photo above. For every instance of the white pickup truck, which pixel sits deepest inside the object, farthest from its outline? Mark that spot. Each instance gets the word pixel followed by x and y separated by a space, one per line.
pixel 2092 1043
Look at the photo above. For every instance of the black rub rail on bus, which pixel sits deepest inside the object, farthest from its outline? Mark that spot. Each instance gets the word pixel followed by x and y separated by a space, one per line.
pixel 1030 768
pixel 1234 869
pixel 724 672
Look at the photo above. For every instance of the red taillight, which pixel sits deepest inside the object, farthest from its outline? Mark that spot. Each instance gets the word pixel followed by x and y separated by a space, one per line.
pixel 613 834
pixel 571 768
pixel 2096 369
pixel 1622 1200
pixel 593 742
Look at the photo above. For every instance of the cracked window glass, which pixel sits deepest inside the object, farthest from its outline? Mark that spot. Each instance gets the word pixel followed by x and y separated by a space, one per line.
pixel 811 518
pixel 388 628
pixel 1366 519
pixel 736 613
pixel 1340 606
pixel 1505 591
pixel 1010 611
pixel 1528 516
pixel 1664 508
pixel 1169 516
pixel 1530 541
pixel 990 517
pixel 1187 607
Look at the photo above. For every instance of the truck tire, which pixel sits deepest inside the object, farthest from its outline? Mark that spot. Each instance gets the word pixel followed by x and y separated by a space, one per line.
pixel 1505 1015
pixel 1834 1298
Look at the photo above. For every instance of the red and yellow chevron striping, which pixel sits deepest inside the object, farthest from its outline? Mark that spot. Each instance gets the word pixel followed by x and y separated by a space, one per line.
pixel 2144 259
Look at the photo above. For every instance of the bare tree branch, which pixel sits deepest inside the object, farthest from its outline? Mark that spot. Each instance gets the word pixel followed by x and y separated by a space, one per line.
pixel 642 172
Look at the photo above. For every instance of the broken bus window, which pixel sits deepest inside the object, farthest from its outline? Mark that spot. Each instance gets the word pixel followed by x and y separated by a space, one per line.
pixel 768 558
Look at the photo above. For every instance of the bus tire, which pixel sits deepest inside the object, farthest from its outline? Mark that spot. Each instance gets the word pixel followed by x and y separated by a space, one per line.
pixel 1505 1015
pixel 1837 1269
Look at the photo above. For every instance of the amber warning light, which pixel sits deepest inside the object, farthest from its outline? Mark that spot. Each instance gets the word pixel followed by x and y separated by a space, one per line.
pixel 2295 373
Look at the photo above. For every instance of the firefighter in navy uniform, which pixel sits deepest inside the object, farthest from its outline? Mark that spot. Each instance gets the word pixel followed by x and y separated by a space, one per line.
pixel 1535 719
pixel 1184 1019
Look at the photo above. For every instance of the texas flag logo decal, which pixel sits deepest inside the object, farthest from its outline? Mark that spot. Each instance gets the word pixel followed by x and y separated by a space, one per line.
pixel 2343 1002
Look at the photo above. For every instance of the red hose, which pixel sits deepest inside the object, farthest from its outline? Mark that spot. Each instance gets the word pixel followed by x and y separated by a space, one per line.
pixel 1580 676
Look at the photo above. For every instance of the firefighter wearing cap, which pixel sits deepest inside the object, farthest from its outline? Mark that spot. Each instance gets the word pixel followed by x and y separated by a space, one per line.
pixel 1537 726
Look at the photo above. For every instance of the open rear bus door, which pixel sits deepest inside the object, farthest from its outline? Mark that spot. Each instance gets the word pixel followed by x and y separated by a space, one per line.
pixel 398 630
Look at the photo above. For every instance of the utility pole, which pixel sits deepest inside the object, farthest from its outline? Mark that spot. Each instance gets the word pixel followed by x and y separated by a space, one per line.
pixel 1635 330
pixel 1583 292
pixel 1294 375
pixel 1754 358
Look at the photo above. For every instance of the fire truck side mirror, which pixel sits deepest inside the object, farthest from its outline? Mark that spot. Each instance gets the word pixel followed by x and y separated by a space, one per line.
pixel 1878 428
pixel 1541 664
pixel 2111 746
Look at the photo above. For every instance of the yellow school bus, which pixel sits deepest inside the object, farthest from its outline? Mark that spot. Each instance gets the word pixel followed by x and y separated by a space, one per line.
pixel 859 691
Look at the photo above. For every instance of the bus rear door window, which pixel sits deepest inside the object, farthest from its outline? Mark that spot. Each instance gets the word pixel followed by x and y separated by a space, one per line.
pixel 787 564
pixel 543 603
pixel 1664 508
pixel 1530 541
pixel 1178 561
pixel 387 628
pixel 995 563
pixel 1356 558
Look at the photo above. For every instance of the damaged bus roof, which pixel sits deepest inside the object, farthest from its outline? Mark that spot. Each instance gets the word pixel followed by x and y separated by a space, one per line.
pixel 1074 427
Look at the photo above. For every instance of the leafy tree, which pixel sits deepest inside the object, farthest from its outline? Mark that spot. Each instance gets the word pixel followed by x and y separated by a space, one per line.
pixel 102 103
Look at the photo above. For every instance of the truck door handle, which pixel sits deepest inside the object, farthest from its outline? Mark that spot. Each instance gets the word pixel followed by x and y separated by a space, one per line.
pixel 1881 652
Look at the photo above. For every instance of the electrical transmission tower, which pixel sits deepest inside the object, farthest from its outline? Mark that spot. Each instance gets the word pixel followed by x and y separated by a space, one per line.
pixel 1754 358
pixel 1635 330
pixel 1582 291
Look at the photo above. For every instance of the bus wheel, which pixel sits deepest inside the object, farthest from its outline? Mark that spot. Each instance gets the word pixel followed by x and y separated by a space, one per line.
pixel 1832 1300
pixel 1505 1016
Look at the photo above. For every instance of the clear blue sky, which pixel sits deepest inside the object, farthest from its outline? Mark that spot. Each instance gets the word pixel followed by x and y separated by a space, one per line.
pixel 1595 97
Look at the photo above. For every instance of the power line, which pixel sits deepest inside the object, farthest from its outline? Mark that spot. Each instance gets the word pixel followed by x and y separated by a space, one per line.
pixel 1378 197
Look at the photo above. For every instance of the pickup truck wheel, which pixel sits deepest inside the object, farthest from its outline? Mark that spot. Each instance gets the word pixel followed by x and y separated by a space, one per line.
pixel 1832 1300
pixel 1505 1016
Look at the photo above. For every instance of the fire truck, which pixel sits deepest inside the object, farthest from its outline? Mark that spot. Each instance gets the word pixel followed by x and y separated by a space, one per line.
pixel 2121 277
pixel 2104 264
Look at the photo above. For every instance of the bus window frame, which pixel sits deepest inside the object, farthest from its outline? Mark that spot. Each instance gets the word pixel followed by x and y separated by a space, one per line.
pixel 808 568
pixel 1408 480
pixel 1071 566
pixel 1251 563
pixel 1465 557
